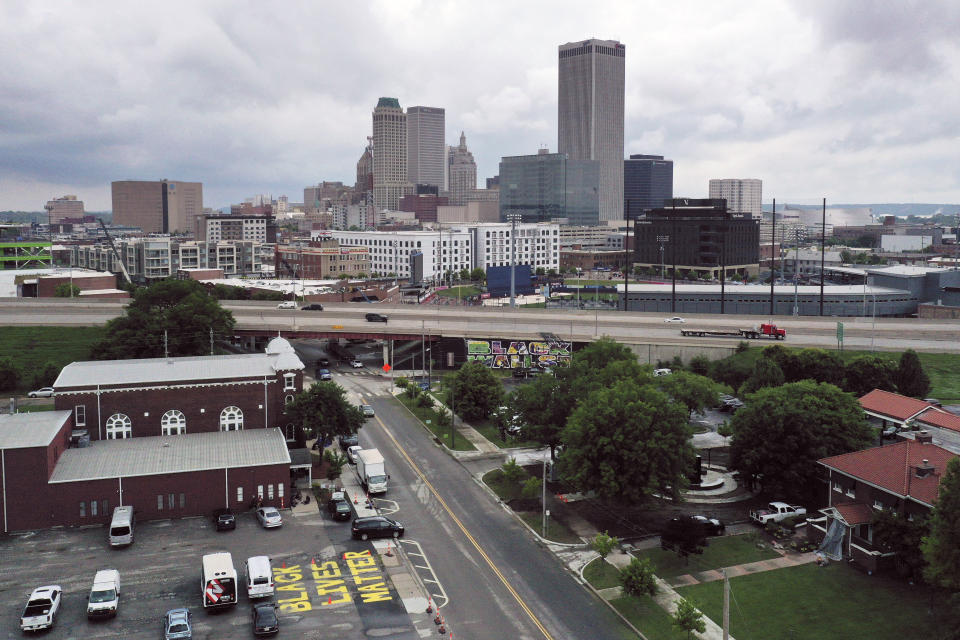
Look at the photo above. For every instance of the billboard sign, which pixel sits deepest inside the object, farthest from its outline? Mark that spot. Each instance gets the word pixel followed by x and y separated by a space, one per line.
pixel 519 354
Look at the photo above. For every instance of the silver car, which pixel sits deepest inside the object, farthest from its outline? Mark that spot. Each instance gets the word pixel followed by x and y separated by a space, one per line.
pixel 178 624
pixel 269 517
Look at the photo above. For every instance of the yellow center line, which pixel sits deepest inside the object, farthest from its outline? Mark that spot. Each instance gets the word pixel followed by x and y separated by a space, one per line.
pixel 473 541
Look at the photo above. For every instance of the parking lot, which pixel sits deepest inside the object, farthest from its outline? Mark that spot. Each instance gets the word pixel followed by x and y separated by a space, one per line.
pixel 325 581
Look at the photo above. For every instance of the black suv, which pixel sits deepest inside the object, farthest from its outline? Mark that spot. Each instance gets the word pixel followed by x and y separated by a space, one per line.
pixel 224 519
pixel 339 506
pixel 376 527
pixel 313 306
pixel 376 317
pixel 265 621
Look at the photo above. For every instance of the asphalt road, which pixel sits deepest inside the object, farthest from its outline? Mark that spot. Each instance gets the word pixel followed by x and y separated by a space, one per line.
pixel 884 334
pixel 495 579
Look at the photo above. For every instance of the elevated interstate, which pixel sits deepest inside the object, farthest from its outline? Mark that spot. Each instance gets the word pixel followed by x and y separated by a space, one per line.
pixel 645 332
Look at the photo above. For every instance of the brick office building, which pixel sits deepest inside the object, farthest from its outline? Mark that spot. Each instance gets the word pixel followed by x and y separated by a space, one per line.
pixel 117 399
pixel 47 484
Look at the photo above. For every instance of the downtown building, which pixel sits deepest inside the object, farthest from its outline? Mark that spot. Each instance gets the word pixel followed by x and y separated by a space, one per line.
pixel 647 182
pixel 65 208
pixel 164 206
pixel 389 154
pixel 321 259
pixel 426 131
pixel 590 118
pixel 461 173
pixel 550 187
pixel 743 195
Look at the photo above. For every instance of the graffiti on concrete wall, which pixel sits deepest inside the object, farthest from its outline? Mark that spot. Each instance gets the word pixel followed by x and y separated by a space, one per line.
pixel 509 354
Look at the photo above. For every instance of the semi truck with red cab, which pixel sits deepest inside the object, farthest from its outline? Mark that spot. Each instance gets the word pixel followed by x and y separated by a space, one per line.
pixel 766 330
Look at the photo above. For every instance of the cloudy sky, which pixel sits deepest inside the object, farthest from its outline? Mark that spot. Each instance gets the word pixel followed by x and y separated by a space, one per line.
pixel 855 101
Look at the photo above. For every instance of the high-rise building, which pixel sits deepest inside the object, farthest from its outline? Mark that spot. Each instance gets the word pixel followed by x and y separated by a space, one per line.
pixel 165 206
pixel 591 89
pixel 425 145
pixel 647 182
pixel 743 195
pixel 364 186
pixel 548 187
pixel 66 207
pixel 462 172
pixel 389 153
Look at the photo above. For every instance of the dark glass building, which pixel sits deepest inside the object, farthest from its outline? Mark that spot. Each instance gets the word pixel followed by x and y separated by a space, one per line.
pixel 548 186
pixel 647 182
pixel 700 237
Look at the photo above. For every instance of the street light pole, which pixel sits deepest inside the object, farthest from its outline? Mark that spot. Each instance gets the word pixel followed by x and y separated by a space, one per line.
pixel 513 258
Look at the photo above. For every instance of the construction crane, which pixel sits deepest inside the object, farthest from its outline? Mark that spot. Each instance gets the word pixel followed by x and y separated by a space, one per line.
pixel 116 253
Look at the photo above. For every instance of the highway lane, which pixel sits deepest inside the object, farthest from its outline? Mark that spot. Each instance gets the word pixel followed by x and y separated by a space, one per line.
pixel 883 334
pixel 499 583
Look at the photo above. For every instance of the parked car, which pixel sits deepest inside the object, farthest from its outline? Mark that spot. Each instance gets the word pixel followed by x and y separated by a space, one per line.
pixel 376 527
pixel 376 317
pixel 339 506
pixel 356 364
pixel 352 453
pixel 712 526
pixel 685 534
pixel 104 598
pixel 265 620
pixel 675 320
pixel 323 362
pixel 775 512
pixel 519 373
pixel 890 431
pixel 42 607
pixel 367 410
pixel 178 624
pixel 662 372
pixel 43 392
pixel 349 441
pixel 324 374
pixel 287 304
pixel 224 519
pixel 313 306
pixel 269 517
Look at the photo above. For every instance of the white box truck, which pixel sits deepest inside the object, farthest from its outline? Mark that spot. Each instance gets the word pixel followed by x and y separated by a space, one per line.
pixel 105 594
pixel 370 469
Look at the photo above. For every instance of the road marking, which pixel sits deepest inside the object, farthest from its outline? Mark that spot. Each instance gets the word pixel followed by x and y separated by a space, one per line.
pixel 469 536
pixel 439 599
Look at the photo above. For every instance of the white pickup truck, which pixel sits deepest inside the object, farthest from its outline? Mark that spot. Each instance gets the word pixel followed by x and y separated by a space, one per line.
pixel 775 512
pixel 41 609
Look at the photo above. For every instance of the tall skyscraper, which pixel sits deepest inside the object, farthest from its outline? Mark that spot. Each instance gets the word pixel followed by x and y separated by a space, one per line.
pixel 165 206
pixel 647 182
pixel 462 172
pixel 425 145
pixel 548 187
pixel 591 114
pixel 389 153
pixel 743 195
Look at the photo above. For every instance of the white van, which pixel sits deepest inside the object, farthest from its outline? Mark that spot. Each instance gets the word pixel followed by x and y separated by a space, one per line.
pixel 121 526
pixel 105 594
pixel 259 575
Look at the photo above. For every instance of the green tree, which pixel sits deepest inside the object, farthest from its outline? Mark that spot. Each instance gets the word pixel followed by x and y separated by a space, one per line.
pixel 638 579
pixel 693 391
pixel 731 371
pixel 766 373
pixel 688 618
pixel 323 411
pixel 473 391
pixel 783 431
pixel 910 378
pixel 820 365
pixel 941 547
pixel 785 358
pixel 46 375
pixel 478 275
pixel 181 308
pixel 892 532
pixel 700 365
pixel 865 373
pixel 540 271
pixel 532 488
pixel 66 290
pixel 513 472
pixel 9 375
pixel 335 462
pixel 626 442
pixel 603 543
pixel 543 406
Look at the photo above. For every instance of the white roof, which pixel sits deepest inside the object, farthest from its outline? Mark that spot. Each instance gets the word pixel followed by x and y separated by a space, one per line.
pixel 905 270
pixel 761 289
pixel 158 455
pixel 157 370
pixel 35 429
pixel 298 287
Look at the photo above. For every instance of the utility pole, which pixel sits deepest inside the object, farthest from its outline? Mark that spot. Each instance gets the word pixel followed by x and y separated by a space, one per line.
pixel 823 249
pixel 513 258
pixel 726 605
pixel 773 248
pixel 166 353
pixel 211 340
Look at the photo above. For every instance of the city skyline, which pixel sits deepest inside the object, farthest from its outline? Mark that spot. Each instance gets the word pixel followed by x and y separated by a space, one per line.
pixel 723 89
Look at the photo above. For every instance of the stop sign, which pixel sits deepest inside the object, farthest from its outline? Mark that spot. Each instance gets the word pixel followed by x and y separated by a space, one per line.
pixel 387 367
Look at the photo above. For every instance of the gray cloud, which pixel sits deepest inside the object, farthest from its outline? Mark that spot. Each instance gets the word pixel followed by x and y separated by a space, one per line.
pixel 265 97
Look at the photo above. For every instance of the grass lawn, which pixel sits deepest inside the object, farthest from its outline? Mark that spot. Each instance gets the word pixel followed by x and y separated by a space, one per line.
pixel 601 574
pixel 443 433
pixel 819 602
pixel 487 429
pixel 505 489
pixel 721 552
pixel 556 531
pixel 650 618
pixel 462 291
pixel 34 408
pixel 30 348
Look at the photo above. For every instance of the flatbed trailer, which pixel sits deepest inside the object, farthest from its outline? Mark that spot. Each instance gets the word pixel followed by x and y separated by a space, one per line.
pixel 754 333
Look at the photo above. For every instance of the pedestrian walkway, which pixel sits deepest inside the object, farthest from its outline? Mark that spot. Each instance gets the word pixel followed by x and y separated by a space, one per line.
pixel 784 561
